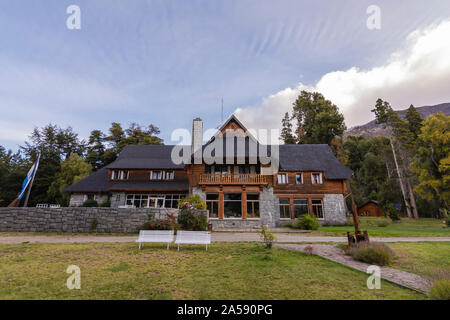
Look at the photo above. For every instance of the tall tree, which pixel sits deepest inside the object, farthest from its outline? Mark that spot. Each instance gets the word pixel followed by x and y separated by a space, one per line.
pixel 286 132
pixel 432 161
pixel 73 169
pixel 96 149
pixel 55 145
pixel 414 121
pixel 384 115
pixel 318 120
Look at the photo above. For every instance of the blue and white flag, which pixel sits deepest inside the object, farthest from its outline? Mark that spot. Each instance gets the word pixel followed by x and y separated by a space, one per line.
pixel 30 175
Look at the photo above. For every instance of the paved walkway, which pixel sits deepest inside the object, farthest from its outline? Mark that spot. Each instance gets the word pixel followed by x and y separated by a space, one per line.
pixel 216 237
pixel 331 252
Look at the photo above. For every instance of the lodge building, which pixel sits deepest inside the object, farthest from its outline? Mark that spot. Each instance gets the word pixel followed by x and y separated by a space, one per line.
pixel 240 193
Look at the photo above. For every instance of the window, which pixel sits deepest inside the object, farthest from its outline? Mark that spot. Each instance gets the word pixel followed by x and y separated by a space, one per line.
pixel 120 174
pixel 117 197
pixel 252 205
pixel 282 178
pixel 299 178
pixel 172 200
pixel 316 178
pixel 154 200
pixel 317 208
pixel 212 204
pixel 221 169
pixel 285 208
pixel 300 207
pixel 137 200
pixel 156 175
pixel 232 205
pixel 168 175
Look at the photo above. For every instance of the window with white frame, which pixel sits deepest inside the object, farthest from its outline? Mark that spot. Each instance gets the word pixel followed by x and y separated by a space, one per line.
pixel 120 174
pixel 299 178
pixel 282 178
pixel 154 200
pixel 156 175
pixel 316 178
pixel 168 175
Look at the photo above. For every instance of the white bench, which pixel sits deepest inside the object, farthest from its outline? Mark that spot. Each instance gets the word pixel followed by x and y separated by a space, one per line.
pixel 193 237
pixel 42 205
pixel 127 206
pixel 55 206
pixel 156 236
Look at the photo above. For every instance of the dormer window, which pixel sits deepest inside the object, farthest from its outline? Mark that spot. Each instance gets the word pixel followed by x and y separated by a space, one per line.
pixel 299 178
pixel 282 178
pixel 156 175
pixel 120 175
pixel 316 178
pixel 168 175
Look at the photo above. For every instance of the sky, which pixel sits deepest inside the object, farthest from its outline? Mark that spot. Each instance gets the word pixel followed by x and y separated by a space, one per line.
pixel 165 62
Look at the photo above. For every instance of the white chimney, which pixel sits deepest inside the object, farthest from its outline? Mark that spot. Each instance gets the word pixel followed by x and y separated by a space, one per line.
pixel 197 140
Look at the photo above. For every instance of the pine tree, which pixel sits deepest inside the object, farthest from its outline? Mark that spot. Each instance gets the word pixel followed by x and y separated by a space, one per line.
pixel 286 132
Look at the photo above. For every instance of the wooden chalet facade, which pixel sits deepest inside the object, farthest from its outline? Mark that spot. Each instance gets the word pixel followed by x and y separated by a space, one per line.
pixel 240 193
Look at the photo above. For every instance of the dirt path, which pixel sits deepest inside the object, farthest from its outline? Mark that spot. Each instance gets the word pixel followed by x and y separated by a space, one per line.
pixel 216 237
pixel 331 252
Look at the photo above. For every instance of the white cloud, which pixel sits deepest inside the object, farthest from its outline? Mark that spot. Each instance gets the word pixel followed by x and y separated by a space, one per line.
pixel 419 74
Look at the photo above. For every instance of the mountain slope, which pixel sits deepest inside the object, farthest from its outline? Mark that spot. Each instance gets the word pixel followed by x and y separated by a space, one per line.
pixel 371 129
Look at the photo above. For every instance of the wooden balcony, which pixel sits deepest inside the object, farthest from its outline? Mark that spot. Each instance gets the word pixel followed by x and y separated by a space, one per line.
pixel 247 179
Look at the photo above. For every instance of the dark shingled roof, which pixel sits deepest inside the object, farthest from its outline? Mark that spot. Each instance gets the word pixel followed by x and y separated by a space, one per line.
pixel 294 157
pixel 145 157
pixel 312 157
pixel 96 182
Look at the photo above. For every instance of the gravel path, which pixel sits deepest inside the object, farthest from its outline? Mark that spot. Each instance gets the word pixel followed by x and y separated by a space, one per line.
pixel 331 252
pixel 216 237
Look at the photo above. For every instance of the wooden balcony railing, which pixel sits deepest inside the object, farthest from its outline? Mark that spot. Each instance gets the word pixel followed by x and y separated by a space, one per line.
pixel 232 179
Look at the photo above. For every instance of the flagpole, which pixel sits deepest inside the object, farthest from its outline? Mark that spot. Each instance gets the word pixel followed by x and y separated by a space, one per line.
pixel 31 183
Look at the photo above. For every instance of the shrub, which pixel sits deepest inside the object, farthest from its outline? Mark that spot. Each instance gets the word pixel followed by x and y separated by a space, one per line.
pixel 440 290
pixel 94 225
pixel 394 214
pixel 161 224
pixel 194 201
pixel 446 215
pixel 382 223
pixel 306 222
pixel 105 204
pixel 190 218
pixel 309 250
pixel 90 203
pixel 267 237
pixel 373 253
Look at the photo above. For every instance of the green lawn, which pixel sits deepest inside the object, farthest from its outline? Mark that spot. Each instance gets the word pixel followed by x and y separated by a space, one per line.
pixel 225 271
pixel 429 259
pixel 405 228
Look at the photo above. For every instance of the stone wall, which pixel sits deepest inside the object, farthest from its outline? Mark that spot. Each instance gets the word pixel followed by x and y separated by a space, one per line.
pixel 335 209
pixel 77 219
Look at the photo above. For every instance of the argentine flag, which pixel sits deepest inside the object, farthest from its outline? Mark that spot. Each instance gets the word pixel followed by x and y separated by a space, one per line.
pixel 30 175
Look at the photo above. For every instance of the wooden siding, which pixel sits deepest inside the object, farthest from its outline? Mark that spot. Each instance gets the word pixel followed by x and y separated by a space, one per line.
pixel 370 209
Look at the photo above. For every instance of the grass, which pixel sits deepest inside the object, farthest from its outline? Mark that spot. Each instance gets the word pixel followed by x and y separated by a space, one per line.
pixel 225 271
pixel 424 227
pixel 428 259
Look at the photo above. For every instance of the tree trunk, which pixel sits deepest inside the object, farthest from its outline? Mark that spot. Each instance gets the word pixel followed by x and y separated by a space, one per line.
pixel 354 210
pixel 413 200
pixel 400 180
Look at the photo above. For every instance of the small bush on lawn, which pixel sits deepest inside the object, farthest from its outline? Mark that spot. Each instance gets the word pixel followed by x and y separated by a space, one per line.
pixel 90 203
pixel 440 290
pixel 306 222
pixel 373 253
pixel 394 214
pixel 94 225
pixel 267 237
pixel 382 223
pixel 446 215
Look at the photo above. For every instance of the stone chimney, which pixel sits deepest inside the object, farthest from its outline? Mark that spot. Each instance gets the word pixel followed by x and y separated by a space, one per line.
pixel 197 140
